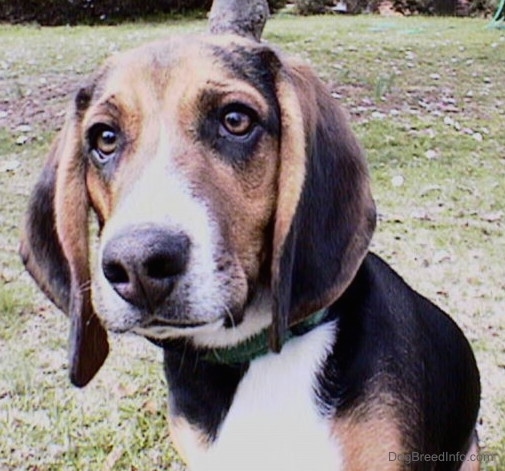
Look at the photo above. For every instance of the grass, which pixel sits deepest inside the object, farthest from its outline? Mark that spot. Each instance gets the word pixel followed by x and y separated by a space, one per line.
pixel 426 97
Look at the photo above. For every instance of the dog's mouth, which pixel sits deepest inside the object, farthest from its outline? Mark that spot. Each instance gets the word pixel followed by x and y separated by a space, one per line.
pixel 176 324
pixel 160 328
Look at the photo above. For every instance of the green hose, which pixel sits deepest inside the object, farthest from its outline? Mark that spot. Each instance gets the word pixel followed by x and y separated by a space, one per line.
pixel 500 13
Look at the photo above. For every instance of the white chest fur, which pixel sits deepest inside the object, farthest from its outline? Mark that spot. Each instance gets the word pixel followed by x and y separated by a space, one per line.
pixel 273 423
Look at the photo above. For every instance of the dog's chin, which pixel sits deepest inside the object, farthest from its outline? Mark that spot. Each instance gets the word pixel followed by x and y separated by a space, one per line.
pixel 256 317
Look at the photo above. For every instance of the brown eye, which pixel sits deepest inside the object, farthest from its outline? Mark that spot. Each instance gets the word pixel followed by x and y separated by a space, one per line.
pixel 107 142
pixel 237 122
pixel 103 143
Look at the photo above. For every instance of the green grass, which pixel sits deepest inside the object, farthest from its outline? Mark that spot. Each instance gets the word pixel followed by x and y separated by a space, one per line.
pixel 427 99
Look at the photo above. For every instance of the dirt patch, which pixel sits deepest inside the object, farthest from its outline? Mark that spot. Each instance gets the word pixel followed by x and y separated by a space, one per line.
pixel 42 107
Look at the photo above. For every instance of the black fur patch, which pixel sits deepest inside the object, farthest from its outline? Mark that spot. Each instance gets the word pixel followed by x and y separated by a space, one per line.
pixel 199 391
pixel 392 340
pixel 41 251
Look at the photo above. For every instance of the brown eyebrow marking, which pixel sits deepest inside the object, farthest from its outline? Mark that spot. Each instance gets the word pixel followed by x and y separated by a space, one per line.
pixel 111 107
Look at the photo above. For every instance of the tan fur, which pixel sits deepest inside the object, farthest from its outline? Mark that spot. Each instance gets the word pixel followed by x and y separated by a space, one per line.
pixel 292 170
pixel 180 430
pixel 367 438
pixel 99 194
pixel 71 205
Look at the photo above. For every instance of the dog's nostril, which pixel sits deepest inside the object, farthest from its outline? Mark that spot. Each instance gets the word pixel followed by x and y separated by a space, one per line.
pixel 115 273
pixel 159 269
pixel 164 266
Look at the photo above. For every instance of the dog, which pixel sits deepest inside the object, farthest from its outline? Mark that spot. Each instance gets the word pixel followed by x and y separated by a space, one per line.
pixel 235 217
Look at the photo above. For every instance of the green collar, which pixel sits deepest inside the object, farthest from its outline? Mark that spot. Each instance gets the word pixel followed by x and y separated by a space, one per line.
pixel 257 345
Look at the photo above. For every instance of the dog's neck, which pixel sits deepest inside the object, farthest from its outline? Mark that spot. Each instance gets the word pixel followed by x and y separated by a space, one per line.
pixel 202 382
pixel 258 345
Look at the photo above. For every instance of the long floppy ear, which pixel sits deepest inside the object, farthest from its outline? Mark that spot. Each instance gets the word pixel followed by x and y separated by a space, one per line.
pixel 54 244
pixel 325 212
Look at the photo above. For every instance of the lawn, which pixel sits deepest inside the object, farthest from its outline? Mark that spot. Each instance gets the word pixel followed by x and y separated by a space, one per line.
pixel 426 97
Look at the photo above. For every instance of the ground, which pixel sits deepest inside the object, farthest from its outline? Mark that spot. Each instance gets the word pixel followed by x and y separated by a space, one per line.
pixel 426 98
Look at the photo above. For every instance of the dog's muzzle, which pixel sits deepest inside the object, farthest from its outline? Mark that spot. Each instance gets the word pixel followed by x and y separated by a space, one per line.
pixel 144 263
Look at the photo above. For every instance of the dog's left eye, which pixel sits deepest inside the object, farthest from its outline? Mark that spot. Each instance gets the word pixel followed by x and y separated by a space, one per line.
pixel 237 121
pixel 103 142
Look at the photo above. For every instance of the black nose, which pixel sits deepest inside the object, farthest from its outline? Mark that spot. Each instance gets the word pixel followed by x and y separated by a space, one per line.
pixel 144 263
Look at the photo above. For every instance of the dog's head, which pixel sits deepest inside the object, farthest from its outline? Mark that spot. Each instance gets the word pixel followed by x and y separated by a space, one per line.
pixel 229 190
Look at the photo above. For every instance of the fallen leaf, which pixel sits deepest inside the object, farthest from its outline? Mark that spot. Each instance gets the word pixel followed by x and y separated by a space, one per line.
pixel 492 217
pixel 151 407
pixel 378 115
pixel 451 122
pixel 126 390
pixel 24 128
pixel 431 154
pixel 450 109
pixel 441 256
pixel 429 189
pixel 9 166
pixel 397 181
pixel 112 458
pixel 420 214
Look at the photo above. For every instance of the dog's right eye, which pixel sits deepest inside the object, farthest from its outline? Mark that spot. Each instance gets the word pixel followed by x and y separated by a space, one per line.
pixel 237 121
pixel 103 143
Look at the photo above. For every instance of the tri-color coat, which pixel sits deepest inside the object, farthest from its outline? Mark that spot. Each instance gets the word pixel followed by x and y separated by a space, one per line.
pixel 233 198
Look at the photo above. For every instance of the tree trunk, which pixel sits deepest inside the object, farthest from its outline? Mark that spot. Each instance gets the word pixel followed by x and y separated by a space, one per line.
pixel 243 17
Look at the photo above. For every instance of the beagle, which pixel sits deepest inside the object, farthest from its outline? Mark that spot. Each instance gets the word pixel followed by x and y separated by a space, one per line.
pixel 235 217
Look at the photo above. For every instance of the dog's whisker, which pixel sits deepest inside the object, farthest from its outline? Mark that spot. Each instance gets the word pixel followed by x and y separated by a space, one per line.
pixel 85 287
pixel 230 316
